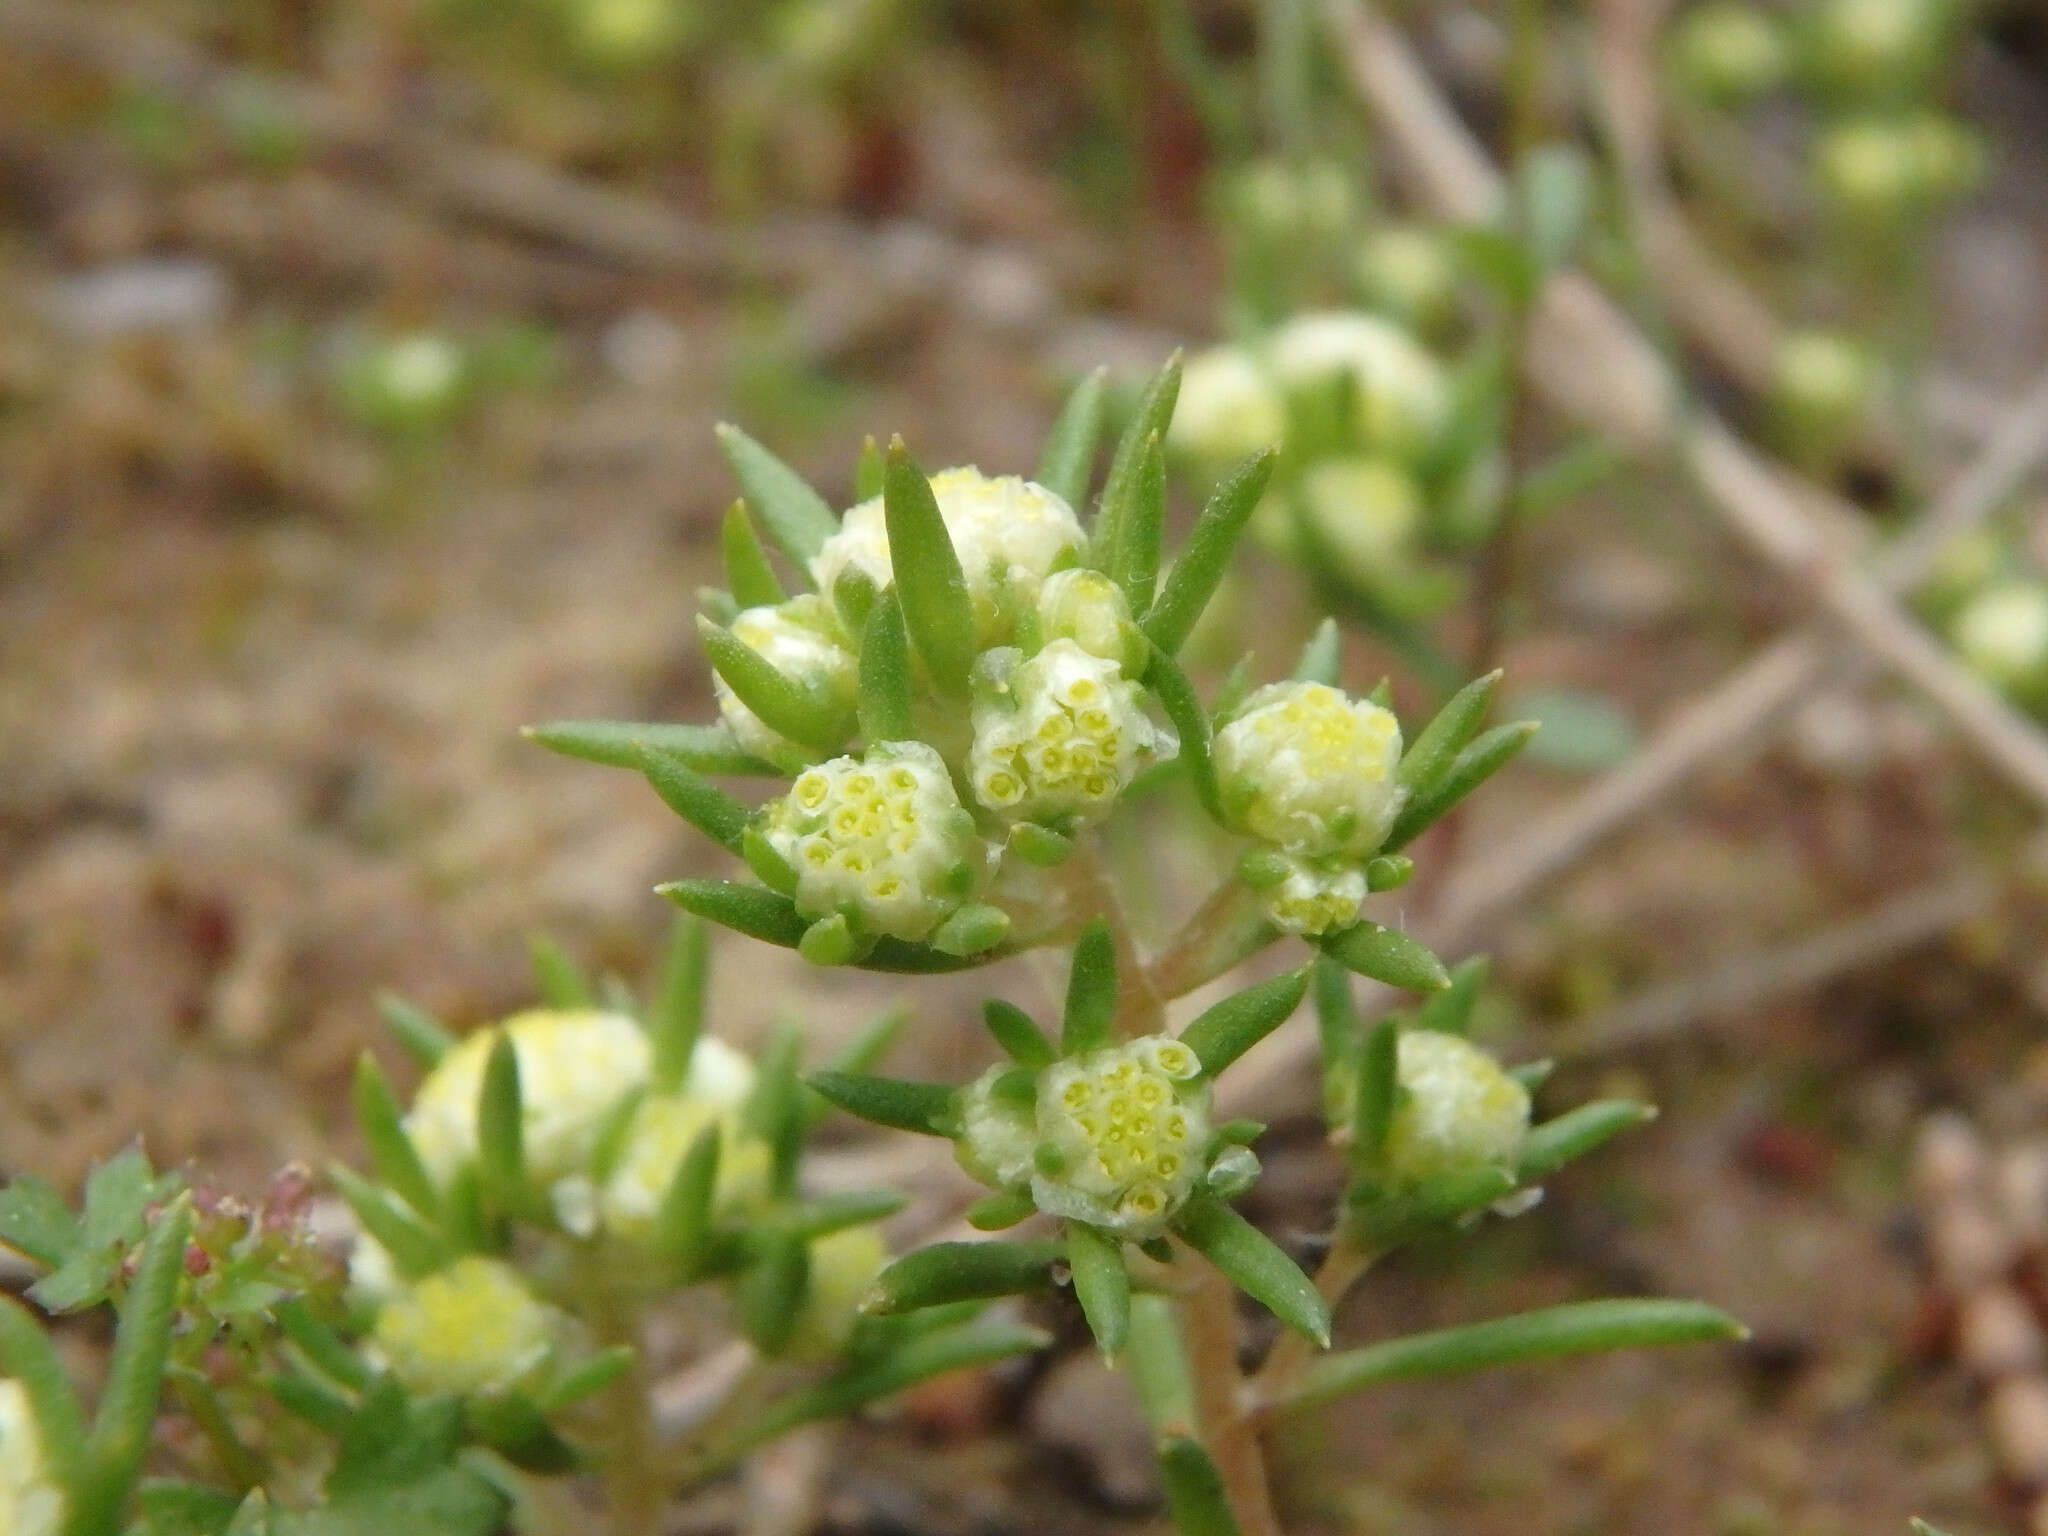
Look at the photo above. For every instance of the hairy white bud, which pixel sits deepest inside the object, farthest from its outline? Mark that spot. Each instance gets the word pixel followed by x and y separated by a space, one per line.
pixel 802 639
pixel 471 1327
pixel 1403 395
pixel 1459 1109
pixel 1228 407
pixel 1307 769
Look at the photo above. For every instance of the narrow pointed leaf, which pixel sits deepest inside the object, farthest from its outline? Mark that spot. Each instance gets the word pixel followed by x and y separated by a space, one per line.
pixel 1389 956
pixel 693 797
pixel 786 706
pixel 1089 1020
pixel 1021 1039
pixel 321 1345
pixel 500 1129
pixel 1450 1010
pixel 1336 1029
pixel 747 571
pixel 1429 755
pixel 1533 1074
pixel 771 1292
pixel 1199 570
pixel 1184 708
pixel 682 1222
pixel 1578 1328
pixel 777 1109
pixel 393 1157
pixel 1159 1365
pixel 29 1357
pixel 930 586
pixel 560 983
pixel 796 516
pixel 773 919
pixel 677 1019
pixel 415 1248
pixel 862 1053
pixel 813 1219
pixel 854 596
pixel 973 929
pixel 1102 1285
pixel 1471 768
pixel 1321 657
pixel 867 471
pixel 1377 1223
pixel 418 1032
pixel 943 1273
pixel 617 744
pixel 1226 1031
pixel 1143 531
pixel 1069 455
pixel 1194 1490
pixel 886 687
pixel 1126 466
pixel 1255 1265
pixel 586 1378
pixel 121 1435
pixel 993 1213
pixel 1375 1094
pixel 1549 1146
pixel 890 1101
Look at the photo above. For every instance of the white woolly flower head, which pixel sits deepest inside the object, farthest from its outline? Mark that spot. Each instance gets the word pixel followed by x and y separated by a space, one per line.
pixel 1368 511
pixel 1125 1134
pixel 1059 735
pixel 997 1133
pixel 1403 396
pixel 664 1128
pixel 31 1502
pixel 1313 899
pixel 803 640
pixel 1089 609
pixel 1228 407
pixel 882 838
pixel 574 1067
pixel 1008 532
pixel 2002 632
pixel 471 1327
pixel 1458 1109
pixel 1311 771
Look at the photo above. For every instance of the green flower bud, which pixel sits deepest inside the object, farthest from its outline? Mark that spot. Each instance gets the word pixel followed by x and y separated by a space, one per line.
pixel 627 34
pixel 1059 735
pixel 802 639
pixel 1883 169
pixel 882 839
pixel 1089 609
pixel 1307 769
pixel 1368 513
pixel 1823 382
pixel 1123 1136
pixel 31 1501
pixel 1227 407
pixel 1407 271
pixel 2002 634
pixel 843 1269
pixel 1283 202
pixel 664 1128
pixel 1403 396
pixel 1008 533
pixel 1311 899
pixel 1727 54
pixel 574 1067
pixel 413 383
pixel 472 1327
pixel 1879 50
pixel 1458 1109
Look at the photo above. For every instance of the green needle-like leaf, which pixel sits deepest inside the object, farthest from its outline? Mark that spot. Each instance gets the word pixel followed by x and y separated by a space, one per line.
pixel 1375 1095
pixel 1199 570
pixel 560 983
pixel 1336 1029
pixel 993 1213
pixel 677 1019
pixel 1158 1364
pixel 417 1032
pixel 777 1108
pixel 1069 454
pixel 1102 1285
pixel 121 1435
pixel 1450 1011
pixel 930 586
pixel 1120 491
pixel 771 1291
pixel 1014 1030
pixel 886 684
pixel 1377 1223
pixel 586 1378
pixel 788 707
pixel 682 1222
pixel 943 1273
pixel 392 1155
pixel 905 1106
pixel 1194 1490
pixel 773 919
pixel 1322 657
pixel 415 1248
pixel 1143 531
pixel 1090 1016
pixel 813 1219
pixel 797 517
pixel 1549 1146
pixel 617 744
pixel 1256 1265
pixel 1429 755
pixel 1579 1328
pixel 1184 708
pixel 1469 769
pixel 1226 1031
pixel 694 798
pixel 867 471
pixel 747 572
pixel 501 1129
pixel 27 1355
pixel 1389 956
pixel 973 929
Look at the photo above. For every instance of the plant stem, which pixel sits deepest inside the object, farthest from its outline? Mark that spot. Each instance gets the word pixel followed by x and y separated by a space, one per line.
pixel 1208 1317
pixel 1224 931
pixel 1140 1008
pixel 1342 1268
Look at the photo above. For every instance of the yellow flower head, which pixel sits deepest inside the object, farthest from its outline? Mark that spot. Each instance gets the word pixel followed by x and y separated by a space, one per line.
pixel 1061 735
pixel 472 1327
pixel 1311 771
pixel 1459 1110
pixel 1128 1129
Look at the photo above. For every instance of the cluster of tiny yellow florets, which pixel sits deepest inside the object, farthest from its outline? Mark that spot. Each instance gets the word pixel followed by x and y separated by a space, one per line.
pixel 1311 773
pixel 882 838
pixel 802 638
pixel 1125 1131
pixel 1059 735
pixel 471 1327
pixel 1008 533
